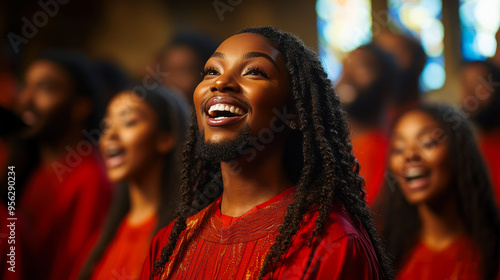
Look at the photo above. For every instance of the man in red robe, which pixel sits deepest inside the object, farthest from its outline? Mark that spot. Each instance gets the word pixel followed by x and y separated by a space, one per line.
pixel 365 87
pixel 67 194
pixel 291 204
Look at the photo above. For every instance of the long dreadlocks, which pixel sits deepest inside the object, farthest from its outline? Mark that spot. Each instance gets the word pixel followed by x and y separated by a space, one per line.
pixel 320 152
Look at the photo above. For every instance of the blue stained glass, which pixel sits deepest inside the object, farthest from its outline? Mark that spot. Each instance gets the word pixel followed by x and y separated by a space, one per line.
pixel 479 20
pixel 343 25
pixel 422 20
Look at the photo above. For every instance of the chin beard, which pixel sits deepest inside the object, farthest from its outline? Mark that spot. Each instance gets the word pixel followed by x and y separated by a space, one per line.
pixel 223 150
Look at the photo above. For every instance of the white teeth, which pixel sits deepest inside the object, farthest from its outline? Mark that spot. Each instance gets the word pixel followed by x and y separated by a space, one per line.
pixel 414 172
pixel 227 108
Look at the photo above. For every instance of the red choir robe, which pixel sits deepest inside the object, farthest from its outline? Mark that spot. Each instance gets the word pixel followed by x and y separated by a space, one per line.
pixel 215 246
pixel 490 147
pixel 370 149
pixel 459 261
pixel 64 204
pixel 125 254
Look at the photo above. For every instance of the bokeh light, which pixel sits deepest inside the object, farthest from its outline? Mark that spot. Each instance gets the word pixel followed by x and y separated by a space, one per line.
pixel 343 25
pixel 422 20
pixel 480 20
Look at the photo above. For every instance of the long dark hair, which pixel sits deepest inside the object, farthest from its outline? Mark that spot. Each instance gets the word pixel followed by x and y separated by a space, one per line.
pixel 318 158
pixel 471 183
pixel 172 112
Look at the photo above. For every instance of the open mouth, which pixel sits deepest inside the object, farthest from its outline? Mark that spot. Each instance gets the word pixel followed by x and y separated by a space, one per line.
pixel 219 111
pixel 223 110
pixel 416 177
pixel 115 156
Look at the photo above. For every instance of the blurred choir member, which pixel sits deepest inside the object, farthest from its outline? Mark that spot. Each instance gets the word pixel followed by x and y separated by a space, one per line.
pixel 183 61
pixel 67 194
pixel 481 102
pixel 141 144
pixel 410 58
pixel 437 211
pixel 366 83
pixel 270 186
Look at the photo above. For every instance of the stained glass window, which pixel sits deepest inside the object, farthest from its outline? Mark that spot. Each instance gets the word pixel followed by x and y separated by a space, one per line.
pixel 422 20
pixel 343 25
pixel 480 20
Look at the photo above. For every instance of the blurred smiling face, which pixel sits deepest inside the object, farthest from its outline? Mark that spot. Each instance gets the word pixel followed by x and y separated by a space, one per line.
pixel 45 101
pixel 419 158
pixel 244 81
pixel 130 141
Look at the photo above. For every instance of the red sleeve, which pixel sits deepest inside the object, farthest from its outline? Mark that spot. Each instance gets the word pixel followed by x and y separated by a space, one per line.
pixel 159 241
pixel 348 258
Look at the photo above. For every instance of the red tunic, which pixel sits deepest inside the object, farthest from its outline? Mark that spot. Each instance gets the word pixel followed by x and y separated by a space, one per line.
pixel 125 255
pixel 490 147
pixel 370 150
pixel 460 260
pixel 215 246
pixel 62 211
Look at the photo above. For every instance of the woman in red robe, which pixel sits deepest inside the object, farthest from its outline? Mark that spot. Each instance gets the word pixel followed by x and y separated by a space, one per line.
pixel 140 144
pixel 437 208
pixel 270 186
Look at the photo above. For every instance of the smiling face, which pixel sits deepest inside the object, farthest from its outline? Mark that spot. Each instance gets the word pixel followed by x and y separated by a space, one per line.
pixel 244 81
pixel 131 139
pixel 419 158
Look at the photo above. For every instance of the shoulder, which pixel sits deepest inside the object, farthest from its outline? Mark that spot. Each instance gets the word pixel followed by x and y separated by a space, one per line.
pixel 340 224
pixel 342 251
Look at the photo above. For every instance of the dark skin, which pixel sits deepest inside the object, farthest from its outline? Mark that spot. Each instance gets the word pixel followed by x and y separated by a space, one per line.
pixel 419 159
pixel 248 68
pixel 133 149
pixel 54 113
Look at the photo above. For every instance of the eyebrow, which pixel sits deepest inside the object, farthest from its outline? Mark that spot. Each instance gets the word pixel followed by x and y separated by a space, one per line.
pixel 249 55
pixel 425 130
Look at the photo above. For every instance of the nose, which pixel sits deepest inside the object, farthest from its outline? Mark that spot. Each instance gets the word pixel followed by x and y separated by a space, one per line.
pixel 225 83
pixel 413 154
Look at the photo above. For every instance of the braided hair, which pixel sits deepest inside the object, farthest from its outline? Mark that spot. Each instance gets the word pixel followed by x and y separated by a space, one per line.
pixel 318 159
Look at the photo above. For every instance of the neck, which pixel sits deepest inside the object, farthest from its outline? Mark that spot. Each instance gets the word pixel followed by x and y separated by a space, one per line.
pixel 248 184
pixel 145 193
pixel 53 148
pixel 441 224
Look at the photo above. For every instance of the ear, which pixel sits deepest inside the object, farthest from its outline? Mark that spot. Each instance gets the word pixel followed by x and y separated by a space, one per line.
pixel 165 142
pixel 82 109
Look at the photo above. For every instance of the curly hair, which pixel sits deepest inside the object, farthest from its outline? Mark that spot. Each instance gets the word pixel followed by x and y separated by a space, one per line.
pixel 471 184
pixel 318 159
